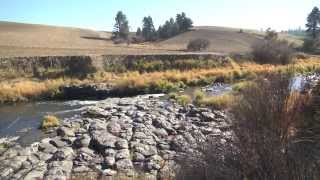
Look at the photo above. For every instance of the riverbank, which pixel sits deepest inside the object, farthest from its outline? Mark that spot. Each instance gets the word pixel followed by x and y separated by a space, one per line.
pixel 103 84
pixel 132 137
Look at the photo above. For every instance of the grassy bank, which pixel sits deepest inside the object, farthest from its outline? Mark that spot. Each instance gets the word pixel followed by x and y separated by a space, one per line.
pixel 149 82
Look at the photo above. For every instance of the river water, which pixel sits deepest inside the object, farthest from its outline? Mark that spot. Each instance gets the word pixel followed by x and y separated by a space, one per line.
pixel 24 119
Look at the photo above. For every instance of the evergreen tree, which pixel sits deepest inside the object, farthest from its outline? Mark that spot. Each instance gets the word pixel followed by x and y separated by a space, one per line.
pixel 183 22
pixel 138 33
pixel 121 27
pixel 313 22
pixel 174 28
pixel 148 30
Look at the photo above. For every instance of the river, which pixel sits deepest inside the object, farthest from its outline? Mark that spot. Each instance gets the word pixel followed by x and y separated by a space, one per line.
pixel 24 119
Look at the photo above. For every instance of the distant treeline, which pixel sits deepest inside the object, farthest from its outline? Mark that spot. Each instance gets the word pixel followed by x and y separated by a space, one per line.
pixel 297 32
pixel 148 32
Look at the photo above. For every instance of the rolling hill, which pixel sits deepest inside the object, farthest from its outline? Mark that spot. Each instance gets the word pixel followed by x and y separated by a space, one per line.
pixel 18 39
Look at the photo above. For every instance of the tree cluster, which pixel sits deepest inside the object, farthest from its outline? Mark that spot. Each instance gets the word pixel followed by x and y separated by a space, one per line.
pixel 312 41
pixel 173 27
pixel 148 32
pixel 169 29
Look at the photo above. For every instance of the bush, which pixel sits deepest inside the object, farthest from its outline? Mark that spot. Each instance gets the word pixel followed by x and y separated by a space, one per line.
pixel 218 102
pixel 238 87
pixel 81 67
pixel 181 99
pixel 277 135
pixel 49 122
pixel 198 45
pixel 273 52
pixel 184 100
pixel 311 45
pixel 210 160
pixel 266 122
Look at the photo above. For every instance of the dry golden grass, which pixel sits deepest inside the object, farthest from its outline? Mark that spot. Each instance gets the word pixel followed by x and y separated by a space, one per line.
pixel 49 122
pixel 22 90
pixel 19 90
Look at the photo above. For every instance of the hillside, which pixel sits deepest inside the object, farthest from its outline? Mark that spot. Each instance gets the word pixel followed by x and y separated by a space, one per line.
pixel 225 40
pixel 17 39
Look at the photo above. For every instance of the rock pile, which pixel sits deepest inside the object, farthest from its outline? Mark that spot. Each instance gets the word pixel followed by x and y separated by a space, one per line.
pixel 128 136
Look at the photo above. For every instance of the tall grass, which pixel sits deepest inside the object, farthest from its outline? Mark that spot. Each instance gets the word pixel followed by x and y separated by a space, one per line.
pixel 152 82
pixel 23 90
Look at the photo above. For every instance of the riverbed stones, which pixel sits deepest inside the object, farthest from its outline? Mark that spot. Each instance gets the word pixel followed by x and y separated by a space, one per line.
pixel 65 131
pixel 46 147
pixel 118 136
pixel 57 142
pixel 122 144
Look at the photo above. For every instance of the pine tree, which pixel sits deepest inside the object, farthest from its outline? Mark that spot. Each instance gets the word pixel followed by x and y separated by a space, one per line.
pixel 313 22
pixel 121 27
pixel 138 33
pixel 184 22
pixel 148 30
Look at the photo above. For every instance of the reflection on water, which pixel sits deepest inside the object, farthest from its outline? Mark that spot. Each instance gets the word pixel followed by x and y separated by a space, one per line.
pixel 24 119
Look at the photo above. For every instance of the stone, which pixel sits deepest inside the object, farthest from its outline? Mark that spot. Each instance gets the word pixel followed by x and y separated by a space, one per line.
pixel 60 168
pixel 102 140
pixel 122 144
pixel 110 152
pixel 114 128
pixel 145 150
pixel 124 164
pixel 35 174
pixel 6 172
pixel 162 133
pixel 97 112
pixel 64 131
pixel 83 141
pixel 109 161
pixel 138 157
pixel 123 154
pixel 98 126
pixel 33 159
pixel 47 148
pixel 139 135
pixel 57 142
pixel 44 156
pixel 87 151
pixel 63 154
pixel 109 172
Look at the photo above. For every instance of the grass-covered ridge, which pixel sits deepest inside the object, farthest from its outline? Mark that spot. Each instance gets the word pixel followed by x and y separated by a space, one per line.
pixel 149 82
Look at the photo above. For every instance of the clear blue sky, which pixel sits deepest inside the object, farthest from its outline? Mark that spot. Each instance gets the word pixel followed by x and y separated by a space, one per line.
pixel 99 14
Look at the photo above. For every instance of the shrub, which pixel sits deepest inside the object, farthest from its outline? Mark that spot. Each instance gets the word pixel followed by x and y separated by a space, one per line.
pixel 198 45
pixel 81 67
pixel 266 122
pixel 238 87
pixel 277 135
pixel 210 160
pixel 181 99
pixel 198 96
pixel 49 122
pixel 218 102
pixel 184 100
pixel 273 52
pixel 311 45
